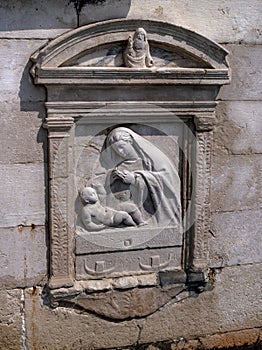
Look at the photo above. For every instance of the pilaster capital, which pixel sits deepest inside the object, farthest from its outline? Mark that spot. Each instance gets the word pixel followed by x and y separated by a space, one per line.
pixel 58 126
pixel 204 122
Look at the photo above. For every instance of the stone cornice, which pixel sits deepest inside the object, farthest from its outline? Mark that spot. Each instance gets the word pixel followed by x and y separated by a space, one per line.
pixel 63 111
pixel 131 76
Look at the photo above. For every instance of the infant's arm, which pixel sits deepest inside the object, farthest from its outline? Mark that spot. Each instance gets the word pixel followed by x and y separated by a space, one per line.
pixel 87 221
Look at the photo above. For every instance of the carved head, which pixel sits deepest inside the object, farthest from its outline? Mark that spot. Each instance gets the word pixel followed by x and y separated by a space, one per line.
pixel 122 143
pixel 140 39
pixel 140 34
pixel 88 195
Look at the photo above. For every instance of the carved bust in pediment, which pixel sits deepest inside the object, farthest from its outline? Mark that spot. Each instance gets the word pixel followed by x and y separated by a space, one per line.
pixel 137 53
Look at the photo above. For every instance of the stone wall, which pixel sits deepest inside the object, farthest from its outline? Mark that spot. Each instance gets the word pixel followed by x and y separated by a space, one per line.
pixel 225 316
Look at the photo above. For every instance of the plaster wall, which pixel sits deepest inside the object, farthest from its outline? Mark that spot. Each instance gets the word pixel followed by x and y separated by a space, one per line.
pixel 228 315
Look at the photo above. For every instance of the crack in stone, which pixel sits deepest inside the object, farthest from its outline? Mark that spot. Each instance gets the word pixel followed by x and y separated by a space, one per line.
pixel 140 328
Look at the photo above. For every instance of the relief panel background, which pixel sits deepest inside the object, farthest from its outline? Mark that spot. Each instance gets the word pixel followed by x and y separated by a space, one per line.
pixel 89 139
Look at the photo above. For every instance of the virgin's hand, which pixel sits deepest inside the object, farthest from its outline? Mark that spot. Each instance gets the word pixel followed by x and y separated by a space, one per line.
pixel 126 176
pixel 116 174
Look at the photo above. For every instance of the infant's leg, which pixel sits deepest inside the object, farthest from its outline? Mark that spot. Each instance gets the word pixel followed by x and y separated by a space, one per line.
pixel 137 217
pixel 123 217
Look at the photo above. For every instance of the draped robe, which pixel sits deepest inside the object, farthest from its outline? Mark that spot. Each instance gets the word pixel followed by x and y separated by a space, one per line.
pixel 156 191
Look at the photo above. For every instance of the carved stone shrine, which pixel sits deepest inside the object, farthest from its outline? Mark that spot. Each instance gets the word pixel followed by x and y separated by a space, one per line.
pixel 130 113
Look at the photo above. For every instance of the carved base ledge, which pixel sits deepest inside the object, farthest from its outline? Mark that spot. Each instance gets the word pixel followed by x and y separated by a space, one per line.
pixel 59 282
pixel 121 301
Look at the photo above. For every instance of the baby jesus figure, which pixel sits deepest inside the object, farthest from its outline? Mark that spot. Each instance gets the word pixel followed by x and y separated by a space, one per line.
pixel 96 217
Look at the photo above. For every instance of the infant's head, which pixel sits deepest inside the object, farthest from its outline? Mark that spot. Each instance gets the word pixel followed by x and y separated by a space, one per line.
pixel 89 195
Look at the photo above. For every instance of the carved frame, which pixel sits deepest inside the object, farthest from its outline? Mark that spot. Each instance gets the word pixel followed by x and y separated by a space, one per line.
pixel 191 94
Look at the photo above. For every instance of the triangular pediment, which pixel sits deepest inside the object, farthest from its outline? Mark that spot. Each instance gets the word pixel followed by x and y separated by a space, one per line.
pixel 100 46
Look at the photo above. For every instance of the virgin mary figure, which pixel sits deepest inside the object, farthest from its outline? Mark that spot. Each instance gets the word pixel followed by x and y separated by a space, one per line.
pixel 140 175
pixel 137 53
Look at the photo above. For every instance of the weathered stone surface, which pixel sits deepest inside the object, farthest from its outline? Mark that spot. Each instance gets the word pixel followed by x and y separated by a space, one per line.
pixel 236 183
pixel 170 277
pixel 22 256
pixel 244 337
pixel 152 347
pixel 183 344
pixel 236 22
pixel 14 72
pixel 132 303
pixel 11 312
pixel 232 305
pixel 108 9
pixel 239 128
pixel 227 21
pixel 69 329
pixel 246 81
pixel 33 19
pixel 236 238
pixel 22 194
pixel 22 138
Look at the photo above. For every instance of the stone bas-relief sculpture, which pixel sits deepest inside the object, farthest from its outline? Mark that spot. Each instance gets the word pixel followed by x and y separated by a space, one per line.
pixel 137 53
pixel 136 181
pixel 133 175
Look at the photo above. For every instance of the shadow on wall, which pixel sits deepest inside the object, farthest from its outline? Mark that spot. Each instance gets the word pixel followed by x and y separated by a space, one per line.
pixel 36 15
pixel 60 14
pixel 32 99
pixel 101 10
